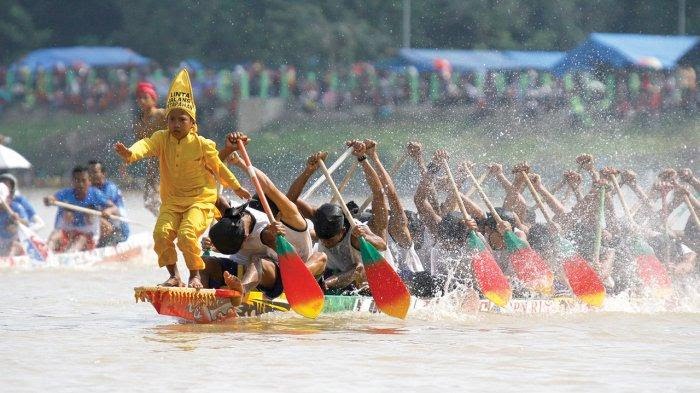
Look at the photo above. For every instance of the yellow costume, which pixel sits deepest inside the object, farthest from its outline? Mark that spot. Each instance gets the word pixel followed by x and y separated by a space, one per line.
pixel 189 168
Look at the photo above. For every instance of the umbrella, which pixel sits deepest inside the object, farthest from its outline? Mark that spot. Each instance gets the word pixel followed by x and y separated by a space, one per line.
pixel 10 159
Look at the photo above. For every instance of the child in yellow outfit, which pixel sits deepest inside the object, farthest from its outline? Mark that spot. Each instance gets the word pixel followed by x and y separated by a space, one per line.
pixel 189 166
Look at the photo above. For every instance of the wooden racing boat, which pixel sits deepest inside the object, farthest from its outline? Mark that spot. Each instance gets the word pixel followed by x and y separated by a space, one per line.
pixel 215 305
pixel 137 248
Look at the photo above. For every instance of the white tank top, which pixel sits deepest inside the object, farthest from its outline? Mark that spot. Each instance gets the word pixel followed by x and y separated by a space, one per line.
pixel 343 256
pixel 300 240
pixel 252 245
pixel 405 258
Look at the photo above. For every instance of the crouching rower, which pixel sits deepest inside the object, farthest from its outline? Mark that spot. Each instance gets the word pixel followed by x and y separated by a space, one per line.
pixel 248 237
pixel 344 269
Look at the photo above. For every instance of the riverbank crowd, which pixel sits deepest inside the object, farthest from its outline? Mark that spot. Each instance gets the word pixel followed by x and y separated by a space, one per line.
pixel 619 94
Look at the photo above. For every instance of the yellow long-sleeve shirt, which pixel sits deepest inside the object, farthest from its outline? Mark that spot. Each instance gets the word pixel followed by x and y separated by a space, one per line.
pixel 188 168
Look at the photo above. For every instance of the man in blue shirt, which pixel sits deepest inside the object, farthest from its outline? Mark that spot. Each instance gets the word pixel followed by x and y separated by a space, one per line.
pixel 119 229
pixel 12 214
pixel 35 222
pixel 75 231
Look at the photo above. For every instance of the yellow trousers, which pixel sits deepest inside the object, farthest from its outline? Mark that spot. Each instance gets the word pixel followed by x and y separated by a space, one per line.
pixel 187 227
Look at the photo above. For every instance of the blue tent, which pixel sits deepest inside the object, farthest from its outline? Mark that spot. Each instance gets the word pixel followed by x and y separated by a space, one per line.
pixel 626 51
pixel 476 60
pixel 93 56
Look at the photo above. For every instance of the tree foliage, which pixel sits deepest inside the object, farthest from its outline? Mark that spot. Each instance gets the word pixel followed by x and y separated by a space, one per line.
pixel 319 32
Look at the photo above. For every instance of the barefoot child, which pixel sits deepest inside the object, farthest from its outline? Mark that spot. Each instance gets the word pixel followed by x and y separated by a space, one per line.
pixel 189 166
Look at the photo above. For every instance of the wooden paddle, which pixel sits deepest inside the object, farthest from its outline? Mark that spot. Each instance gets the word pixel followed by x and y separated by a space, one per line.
pixel 96 213
pixel 473 189
pixel 489 276
pixel 693 213
pixel 388 290
pixel 527 263
pixel 392 172
pixel 583 280
pixel 649 268
pixel 598 241
pixel 346 179
pixel 332 169
pixel 300 287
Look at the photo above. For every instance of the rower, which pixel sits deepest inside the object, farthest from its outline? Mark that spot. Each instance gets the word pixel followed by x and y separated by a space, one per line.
pixel 112 231
pixel 35 222
pixel 247 236
pixel 12 214
pixel 75 231
pixel 344 269
pixel 449 262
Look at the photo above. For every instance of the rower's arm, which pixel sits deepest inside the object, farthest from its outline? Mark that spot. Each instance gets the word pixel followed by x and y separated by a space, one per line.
pixel 341 280
pixel 289 213
pixel 380 216
pixel 212 161
pixel 551 201
pixel 398 222
pixel 425 209
pixel 251 277
pixel 305 208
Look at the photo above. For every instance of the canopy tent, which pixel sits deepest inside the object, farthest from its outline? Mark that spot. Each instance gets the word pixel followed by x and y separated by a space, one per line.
pixel 475 60
pixel 692 57
pixel 626 51
pixel 93 56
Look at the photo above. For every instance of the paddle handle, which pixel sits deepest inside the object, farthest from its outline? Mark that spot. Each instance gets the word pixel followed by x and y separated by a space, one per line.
pixel 392 171
pixel 625 208
pixel 481 192
pixel 346 179
pixel 538 200
pixel 336 192
pixel 96 213
pixel 321 179
pixel 473 189
pixel 254 178
pixel 693 213
pixel 599 228
pixel 455 190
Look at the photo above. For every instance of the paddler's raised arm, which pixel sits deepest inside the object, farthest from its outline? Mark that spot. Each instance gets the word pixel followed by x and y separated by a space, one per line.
pixel 306 209
pixel 225 176
pixel 380 216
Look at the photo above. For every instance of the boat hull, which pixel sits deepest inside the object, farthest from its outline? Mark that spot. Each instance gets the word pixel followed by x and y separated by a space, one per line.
pixel 207 306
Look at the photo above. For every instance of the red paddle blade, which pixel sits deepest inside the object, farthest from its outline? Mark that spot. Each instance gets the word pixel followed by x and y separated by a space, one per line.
pixel 388 290
pixel 300 287
pixel 529 265
pixel 490 279
pixel 652 273
pixel 584 281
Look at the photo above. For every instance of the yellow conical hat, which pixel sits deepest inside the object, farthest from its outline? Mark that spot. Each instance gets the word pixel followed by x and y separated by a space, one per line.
pixel 180 95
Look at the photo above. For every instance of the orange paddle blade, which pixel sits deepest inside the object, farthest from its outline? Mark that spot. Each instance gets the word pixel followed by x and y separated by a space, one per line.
pixel 388 290
pixel 584 281
pixel 529 266
pixel 300 287
pixel 489 277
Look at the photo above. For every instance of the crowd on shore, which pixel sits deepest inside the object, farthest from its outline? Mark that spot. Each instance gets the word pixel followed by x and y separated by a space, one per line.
pixel 613 93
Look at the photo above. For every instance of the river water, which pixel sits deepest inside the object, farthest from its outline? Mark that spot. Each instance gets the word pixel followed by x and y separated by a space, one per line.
pixel 73 330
